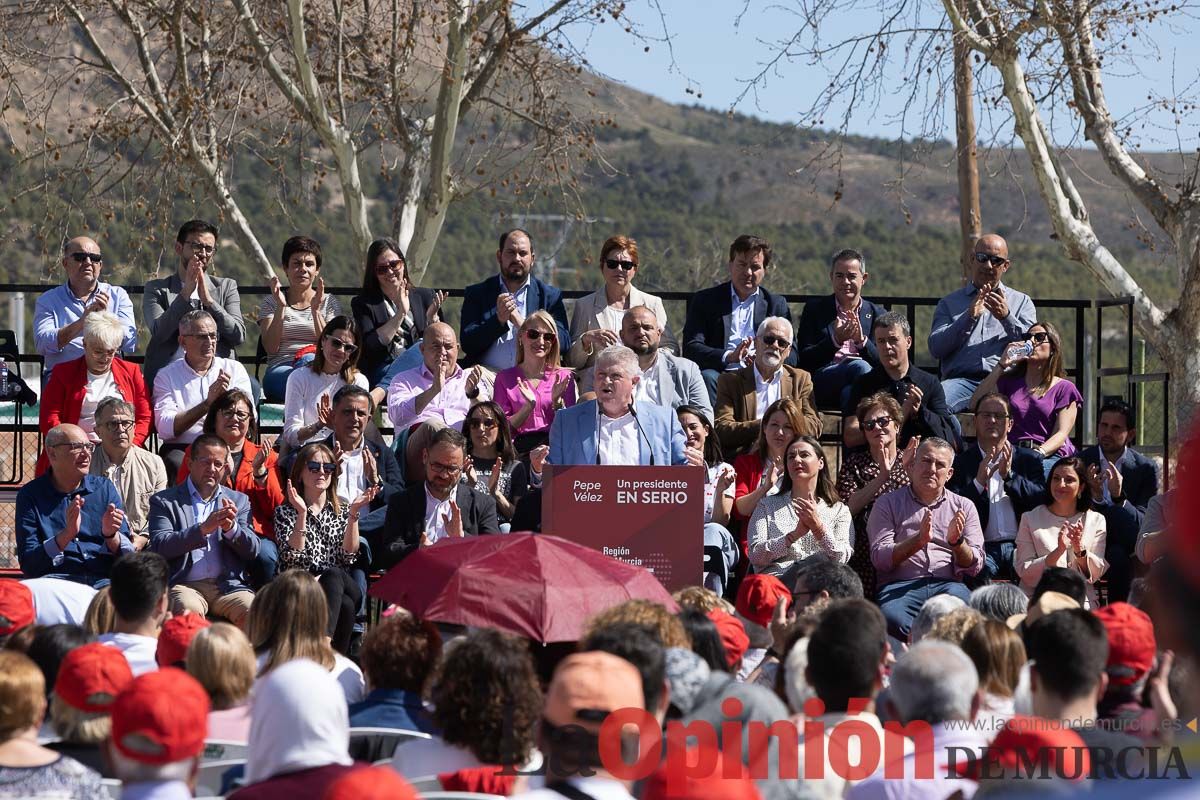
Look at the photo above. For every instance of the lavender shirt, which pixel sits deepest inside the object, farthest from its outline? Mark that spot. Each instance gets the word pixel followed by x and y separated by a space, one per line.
pixel 509 397
pixel 1035 417
pixel 896 518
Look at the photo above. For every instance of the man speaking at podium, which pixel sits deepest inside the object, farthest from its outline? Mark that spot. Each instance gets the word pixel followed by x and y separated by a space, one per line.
pixel 613 429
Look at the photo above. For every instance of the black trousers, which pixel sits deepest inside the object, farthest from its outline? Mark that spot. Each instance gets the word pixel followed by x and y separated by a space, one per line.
pixel 343 597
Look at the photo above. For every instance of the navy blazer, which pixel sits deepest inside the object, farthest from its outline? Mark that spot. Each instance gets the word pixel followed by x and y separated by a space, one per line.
pixel 1139 482
pixel 709 313
pixel 372 311
pixel 1025 486
pixel 481 326
pixel 405 521
pixel 175 534
pixel 814 333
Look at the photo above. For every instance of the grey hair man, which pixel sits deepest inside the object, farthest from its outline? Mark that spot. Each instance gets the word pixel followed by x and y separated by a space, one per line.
pixel 136 472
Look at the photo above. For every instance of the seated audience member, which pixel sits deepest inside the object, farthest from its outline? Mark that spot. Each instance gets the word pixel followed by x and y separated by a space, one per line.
pixel 934 683
pixel 50 645
pixel 486 703
pixel 1026 748
pixel 75 390
pixel 1063 532
pixel 760 472
pixel 60 313
pixel 998 654
pixel 372 783
pixel 1003 480
pixel 719 478
pixel 495 309
pixel 176 637
pixel 16 609
pixel 391 313
pixel 820 579
pixel 439 507
pixel 308 403
pixel 868 474
pixel 158 732
pixel 1068 653
pixel 398 656
pixel 924 539
pixel 101 617
pixel 922 404
pixel 758 598
pixel 138 474
pixel 318 533
pixel 59 602
pixel 743 396
pixel 291 321
pixel 1152 540
pixel 221 659
pixel 804 519
pixel 614 428
pixel 972 326
pixel 435 395
pixel 953 627
pixel 254 472
pixel 706 645
pixel 70 525
pixel 26 768
pixel 596 318
pixel 533 391
pixel 493 466
pixel 642 646
pixel 89 680
pixel 833 339
pixel 1043 402
pixel 664 626
pixel 998 601
pixel 718 334
pixel 1121 482
pixel 203 528
pixel 1132 652
pixel 1063 582
pixel 186 389
pixel 140 603
pixel 288 621
pixel 191 287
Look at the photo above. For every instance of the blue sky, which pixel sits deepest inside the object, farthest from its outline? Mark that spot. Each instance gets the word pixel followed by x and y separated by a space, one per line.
pixel 713 54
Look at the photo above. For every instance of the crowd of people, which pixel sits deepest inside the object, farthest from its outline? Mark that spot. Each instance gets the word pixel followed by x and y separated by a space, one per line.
pixel 854 553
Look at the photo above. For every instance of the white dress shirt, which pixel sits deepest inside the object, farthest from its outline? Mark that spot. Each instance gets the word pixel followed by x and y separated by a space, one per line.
pixel 305 388
pixel 178 388
pixel 503 353
pixel 741 324
pixel 1002 517
pixel 353 479
pixel 437 513
pixel 98 388
pixel 618 440
pixel 648 390
pixel 766 392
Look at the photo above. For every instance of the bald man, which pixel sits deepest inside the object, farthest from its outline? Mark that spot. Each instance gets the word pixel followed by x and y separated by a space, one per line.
pixel 58 318
pixel 972 325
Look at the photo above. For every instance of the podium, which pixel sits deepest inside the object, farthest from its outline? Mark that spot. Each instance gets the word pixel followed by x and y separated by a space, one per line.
pixel 650 517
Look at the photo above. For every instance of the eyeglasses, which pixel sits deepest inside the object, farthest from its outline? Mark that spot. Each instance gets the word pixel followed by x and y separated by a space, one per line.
pixel 391 266
pixel 79 258
pixel 212 337
pixel 988 258
pixel 616 263
pixel 483 424
pixel 1037 338
pixel 533 336
pixel 444 469
pixel 235 415
pixel 338 344
pixel 317 467
pixel 991 416
pixel 775 341
pixel 205 249
pixel 119 424
pixel 77 447
pixel 879 422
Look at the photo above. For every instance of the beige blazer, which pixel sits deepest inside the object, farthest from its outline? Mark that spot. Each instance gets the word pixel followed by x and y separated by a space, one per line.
pixel 585 316
pixel 737 412
pixel 1038 535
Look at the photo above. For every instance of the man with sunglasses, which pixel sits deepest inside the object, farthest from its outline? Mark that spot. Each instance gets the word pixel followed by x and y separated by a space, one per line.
pixel 190 287
pixel 59 313
pixel 744 396
pixel 136 472
pixel 971 326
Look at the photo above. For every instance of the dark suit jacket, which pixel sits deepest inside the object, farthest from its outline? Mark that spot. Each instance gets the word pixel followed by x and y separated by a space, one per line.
pixel 371 312
pixel 737 412
pixel 405 521
pixel 1139 482
pixel 932 419
pixel 175 534
pixel 481 327
pixel 385 460
pixel 1025 487
pixel 709 312
pixel 814 334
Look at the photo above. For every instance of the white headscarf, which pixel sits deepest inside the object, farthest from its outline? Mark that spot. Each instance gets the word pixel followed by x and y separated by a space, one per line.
pixel 299 721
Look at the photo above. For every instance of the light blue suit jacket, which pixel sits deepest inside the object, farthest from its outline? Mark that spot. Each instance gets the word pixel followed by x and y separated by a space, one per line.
pixel 575 432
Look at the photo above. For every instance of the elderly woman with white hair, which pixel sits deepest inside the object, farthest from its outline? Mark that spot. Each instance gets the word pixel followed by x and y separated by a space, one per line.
pixel 76 387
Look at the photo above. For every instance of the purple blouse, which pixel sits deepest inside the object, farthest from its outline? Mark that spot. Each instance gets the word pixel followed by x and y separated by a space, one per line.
pixel 1035 417
pixel 509 397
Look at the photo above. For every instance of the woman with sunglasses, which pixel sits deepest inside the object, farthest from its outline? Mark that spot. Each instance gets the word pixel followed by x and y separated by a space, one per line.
pixel 391 313
pixel 493 466
pixel 537 386
pixel 596 319
pixel 1044 403
pixel 308 404
pixel 867 475
pixel 317 533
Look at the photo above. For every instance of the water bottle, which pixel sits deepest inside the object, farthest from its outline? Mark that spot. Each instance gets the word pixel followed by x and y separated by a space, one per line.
pixel 3 380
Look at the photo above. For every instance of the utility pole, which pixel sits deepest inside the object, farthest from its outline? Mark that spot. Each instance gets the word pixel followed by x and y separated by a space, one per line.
pixel 970 216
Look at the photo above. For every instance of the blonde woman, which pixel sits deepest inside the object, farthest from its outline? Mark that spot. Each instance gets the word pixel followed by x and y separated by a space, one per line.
pixel 221 659
pixel 532 391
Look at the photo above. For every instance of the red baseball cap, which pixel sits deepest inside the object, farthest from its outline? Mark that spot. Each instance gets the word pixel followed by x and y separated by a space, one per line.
pixel 16 606
pixel 674 781
pixel 758 596
pixel 176 635
pixel 1131 646
pixel 733 636
pixel 1031 741
pixel 161 717
pixel 91 676
pixel 371 783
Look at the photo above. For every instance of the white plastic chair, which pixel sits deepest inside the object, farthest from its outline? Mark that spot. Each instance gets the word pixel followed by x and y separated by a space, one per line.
pixel 113 787
pixel 426 783
pixel 224 750
pixel 211 775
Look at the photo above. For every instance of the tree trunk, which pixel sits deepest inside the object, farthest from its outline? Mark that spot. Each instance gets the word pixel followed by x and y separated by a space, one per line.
pixel 970 214
pixel 409 185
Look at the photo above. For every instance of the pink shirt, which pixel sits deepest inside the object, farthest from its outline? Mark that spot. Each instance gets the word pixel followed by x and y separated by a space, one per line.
pixel 896 518
pixel 230 725
pixel 450 406
pixel 509 397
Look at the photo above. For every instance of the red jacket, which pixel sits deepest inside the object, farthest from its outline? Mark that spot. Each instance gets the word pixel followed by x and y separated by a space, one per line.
pixel 62 398
pixel 263 499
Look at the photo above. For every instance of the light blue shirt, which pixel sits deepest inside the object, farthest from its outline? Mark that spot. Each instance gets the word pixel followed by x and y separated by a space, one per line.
pixel 60 307
pixel 503 353
pixel 741 323
pixel 206 561
pixel 969 348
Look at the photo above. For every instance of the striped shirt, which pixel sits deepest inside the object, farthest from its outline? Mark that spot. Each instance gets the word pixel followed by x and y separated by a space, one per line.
pixel 298 329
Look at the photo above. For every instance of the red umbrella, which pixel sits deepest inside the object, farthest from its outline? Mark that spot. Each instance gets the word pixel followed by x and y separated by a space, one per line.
pixel 534 585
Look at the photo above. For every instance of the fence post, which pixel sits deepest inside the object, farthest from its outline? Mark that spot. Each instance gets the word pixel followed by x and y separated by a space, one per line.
pixel 1089 377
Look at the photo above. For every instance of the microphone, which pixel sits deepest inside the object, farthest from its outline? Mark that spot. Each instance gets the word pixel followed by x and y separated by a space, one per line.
pixel 642 431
